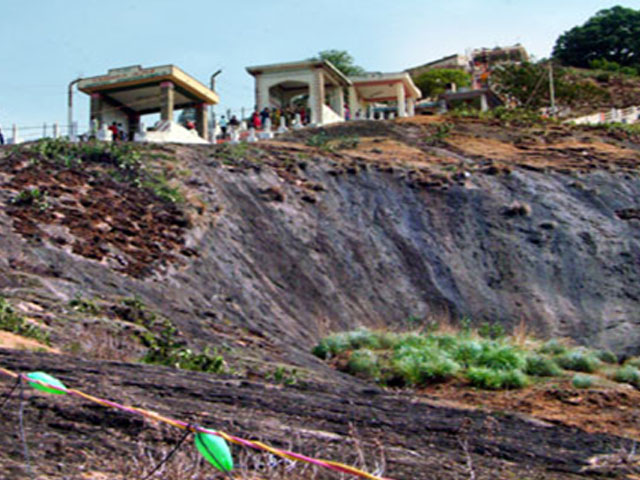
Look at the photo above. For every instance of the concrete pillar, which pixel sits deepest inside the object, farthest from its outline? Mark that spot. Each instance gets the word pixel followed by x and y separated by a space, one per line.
pixel 56 130
pixel 402 111
pixel 316 97
pixel 202 123
pixel 262 93
pixel 167 100
pixel 340 102
pixel 484 106
pixel 133 121
pixel 353 102
pixel 411 107
pixel 96 109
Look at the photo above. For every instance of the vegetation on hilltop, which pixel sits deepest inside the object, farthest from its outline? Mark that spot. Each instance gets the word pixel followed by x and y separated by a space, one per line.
pixel 611 37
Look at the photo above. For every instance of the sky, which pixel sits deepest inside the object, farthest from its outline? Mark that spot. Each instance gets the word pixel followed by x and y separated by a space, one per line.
pixel 44 44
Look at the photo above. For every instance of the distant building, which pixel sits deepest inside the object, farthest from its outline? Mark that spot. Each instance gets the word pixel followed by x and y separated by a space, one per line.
pixel 321 87
pixel 479 63
pixel 455 61
pixel 484 60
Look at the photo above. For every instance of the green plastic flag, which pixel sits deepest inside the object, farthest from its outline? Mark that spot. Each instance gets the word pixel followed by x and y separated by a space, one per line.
pixel 215 450
pixel 46 378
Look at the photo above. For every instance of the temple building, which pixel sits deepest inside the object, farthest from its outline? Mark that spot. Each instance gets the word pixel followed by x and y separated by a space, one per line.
pixel 124 94
pixel 324 88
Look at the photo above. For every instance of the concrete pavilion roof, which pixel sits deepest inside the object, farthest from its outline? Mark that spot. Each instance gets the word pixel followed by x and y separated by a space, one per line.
pixel 380 87
pixel 137 89
pixel 336 75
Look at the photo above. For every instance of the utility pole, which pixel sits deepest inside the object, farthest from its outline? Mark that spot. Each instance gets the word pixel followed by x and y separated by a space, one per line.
pixel 70 107
pixel 212 86
pixel 552 92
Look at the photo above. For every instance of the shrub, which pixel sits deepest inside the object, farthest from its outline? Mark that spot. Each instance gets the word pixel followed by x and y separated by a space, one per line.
pixel 10 321
pixel 582 381
pixel 579 360
pixel 628 374
pixel 541 366
pixel 493 379
pixel 607 356
pixel 491 330
pixel 424 369
pixel 365 363
pixel 31 197
pixel 501 357
pixel 467 352
pixel 633 361
pixel 362 338
pixel 553 347
pixel 331 346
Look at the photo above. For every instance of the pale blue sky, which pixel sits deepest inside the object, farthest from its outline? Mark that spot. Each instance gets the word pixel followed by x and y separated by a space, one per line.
pixel 47 43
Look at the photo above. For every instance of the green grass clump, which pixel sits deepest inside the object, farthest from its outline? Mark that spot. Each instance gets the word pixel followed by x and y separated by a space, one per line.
pixel 607 356
pixel 633 361
pixel 364 363
pixel 494 379
pixel 422 367
pixel 541 366
pixel 553 347
pixel 487 359
pixel 10 321
pixel 582 381
pixel 500 357
pixel 579 360
pixel 362 338
pixel 628 374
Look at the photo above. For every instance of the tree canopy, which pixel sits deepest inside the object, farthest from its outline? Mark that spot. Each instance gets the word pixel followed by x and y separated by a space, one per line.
pixel 434 82
pixel 612 34
pixel 342 60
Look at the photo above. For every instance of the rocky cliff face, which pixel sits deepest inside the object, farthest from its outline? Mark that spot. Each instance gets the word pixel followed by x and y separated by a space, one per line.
pixel 273 246
pixel 290 242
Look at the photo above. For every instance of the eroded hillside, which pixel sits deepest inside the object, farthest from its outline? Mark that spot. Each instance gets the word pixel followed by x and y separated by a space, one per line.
pixel 257 251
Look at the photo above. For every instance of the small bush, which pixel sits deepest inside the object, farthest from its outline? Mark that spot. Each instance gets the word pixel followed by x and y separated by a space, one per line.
pixel 582 381
pixel 491 330
pixel 578 360
pixel 633 361
pixel 364 363
pixel 320 140
pixel 420 369
pixel 628 374
pixel 541 366
pixel 10 321
pixel 607 356
pixel 501 357
pixel 467 352
pixel 493 379
pixel 553 347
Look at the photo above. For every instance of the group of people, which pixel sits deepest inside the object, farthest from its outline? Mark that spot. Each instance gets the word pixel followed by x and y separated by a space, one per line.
pixel 258 119
pixel 117 132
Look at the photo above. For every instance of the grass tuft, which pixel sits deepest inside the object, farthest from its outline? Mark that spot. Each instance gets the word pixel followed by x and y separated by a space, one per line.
pixel 579 360
pixel 540 366
pixel 628 374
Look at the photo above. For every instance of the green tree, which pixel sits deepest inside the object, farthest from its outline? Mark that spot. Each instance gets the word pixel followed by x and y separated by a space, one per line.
pixel 528 85
pixel 612 34
pixel 342 60
pixel 434 82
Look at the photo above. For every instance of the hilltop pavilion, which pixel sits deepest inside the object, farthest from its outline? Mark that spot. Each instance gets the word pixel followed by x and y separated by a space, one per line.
pixel 124 94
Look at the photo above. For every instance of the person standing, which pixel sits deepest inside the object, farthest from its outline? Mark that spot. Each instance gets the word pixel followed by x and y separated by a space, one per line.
pixel 113 128
pixel 1 137
pixel 223 126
